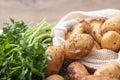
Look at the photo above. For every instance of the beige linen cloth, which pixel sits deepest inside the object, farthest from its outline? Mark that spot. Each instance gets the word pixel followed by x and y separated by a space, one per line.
pixel 95 58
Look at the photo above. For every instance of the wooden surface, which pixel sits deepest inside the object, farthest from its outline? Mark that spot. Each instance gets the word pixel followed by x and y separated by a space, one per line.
pixel 32 11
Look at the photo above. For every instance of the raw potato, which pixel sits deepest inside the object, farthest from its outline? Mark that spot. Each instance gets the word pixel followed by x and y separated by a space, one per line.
pixel 81 28
pixel 76 71
pixel 96 46
pixel 112 24
pixel 54 77
pixel 94 77
pixel 111 40
pixel 96 25
pixel 78 46
pixel 111 70
pixel 57 58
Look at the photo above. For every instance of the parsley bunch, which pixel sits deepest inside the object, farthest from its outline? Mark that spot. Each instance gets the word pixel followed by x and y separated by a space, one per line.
pixel 22 50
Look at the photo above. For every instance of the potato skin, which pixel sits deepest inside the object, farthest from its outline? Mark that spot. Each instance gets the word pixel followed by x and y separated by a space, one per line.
pixel 96 25
pixel 81 28
pixel 76 71
pixel 96 46
pixel 57 58
pixel 112 24
pixel 54 77
pixel 78 46
pixel 111 40
pixel 111 70
pixel 94 77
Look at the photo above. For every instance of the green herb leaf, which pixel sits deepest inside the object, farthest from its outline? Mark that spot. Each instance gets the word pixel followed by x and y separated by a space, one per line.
pixel 22 50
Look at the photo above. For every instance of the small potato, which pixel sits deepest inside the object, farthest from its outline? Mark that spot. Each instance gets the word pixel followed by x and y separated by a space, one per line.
pixel 76 71
pixel 111 40
pixel 112 24
pixel 57 58
pixel 96 46
pixel 111 70
pixel 77 46
pixel 94 77
pixel 96 25
pixel 81 28
pixel 54 77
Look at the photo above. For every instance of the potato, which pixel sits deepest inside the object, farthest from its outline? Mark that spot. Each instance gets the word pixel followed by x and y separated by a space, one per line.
pixel 96 25
pixel 94 77
pixel 76 71
pixel 111 70
pixel 112 24
pixel 96 46
pixel 81 28
pixel 111 40
pixel 54 77
pixel 57 58
pixel 78 46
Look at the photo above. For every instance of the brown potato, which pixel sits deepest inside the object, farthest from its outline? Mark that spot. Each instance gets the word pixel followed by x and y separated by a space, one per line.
pixel 96 46
pixel 78 46
pixel 94 77
pixel 54 77
pixel 81 28
pixel 96 25
pixel 112 24
pixel 111 70
pixel 57 58
pixel 76 71
pixel 111 40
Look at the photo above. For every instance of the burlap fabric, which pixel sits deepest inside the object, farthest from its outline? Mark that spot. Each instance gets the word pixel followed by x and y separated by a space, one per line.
pixel 95 58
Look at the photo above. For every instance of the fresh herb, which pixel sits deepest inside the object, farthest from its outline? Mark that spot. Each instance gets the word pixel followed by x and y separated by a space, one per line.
pixel 22 50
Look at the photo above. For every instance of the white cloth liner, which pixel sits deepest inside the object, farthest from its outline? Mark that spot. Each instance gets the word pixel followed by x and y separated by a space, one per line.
pixel 72 18
pixel 99 57
pixel 1 31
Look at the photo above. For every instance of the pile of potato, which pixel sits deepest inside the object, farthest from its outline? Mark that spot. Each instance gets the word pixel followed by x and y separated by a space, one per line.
pixel 107 34
pixel 98 33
